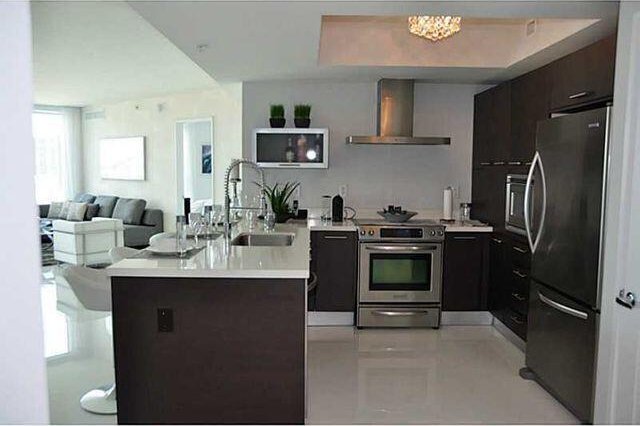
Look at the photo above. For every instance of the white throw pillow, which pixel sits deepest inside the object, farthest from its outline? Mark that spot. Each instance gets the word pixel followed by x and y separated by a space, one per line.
pixel 65 210
pixel 55 210
pixel 76 211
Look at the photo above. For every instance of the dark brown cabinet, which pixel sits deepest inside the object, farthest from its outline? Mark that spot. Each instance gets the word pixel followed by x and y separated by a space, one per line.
pixel 465 274
pixel 529 104
pixel 488 192
pixel 510 265
pixel 334 260
pixel 584 76
pixel 492 124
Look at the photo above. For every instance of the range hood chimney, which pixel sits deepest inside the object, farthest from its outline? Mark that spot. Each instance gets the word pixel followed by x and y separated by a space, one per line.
pixel 394 120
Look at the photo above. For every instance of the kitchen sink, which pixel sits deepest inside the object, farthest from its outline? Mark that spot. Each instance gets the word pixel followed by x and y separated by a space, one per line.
pixel 278 240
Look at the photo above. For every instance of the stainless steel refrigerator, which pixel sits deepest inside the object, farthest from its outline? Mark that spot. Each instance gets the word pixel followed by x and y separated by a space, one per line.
pixel 569 169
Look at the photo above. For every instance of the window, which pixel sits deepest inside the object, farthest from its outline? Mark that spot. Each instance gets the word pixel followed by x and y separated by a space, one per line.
pixel 51 146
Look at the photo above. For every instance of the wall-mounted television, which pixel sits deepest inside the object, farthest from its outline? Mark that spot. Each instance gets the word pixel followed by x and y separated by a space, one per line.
pixel 122 158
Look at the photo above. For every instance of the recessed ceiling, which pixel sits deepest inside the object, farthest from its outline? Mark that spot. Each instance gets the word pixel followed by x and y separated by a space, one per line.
pixel 481 43
pixel 274 40
pixel 96 52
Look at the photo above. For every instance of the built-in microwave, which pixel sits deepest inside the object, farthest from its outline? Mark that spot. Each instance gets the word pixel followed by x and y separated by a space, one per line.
pixel 514 205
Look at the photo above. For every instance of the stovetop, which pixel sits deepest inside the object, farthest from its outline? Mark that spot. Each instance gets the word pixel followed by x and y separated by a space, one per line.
pixel 412 230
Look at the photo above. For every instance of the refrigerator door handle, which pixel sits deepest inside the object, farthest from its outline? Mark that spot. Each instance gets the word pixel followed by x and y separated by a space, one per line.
pixel 562 308
pixel 533 243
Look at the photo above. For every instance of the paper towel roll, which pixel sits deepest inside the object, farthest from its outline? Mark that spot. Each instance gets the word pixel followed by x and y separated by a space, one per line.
pixel 447 210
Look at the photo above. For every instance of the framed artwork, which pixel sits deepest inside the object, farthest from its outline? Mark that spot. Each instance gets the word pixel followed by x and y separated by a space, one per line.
pixel 206 159
pixel 122 158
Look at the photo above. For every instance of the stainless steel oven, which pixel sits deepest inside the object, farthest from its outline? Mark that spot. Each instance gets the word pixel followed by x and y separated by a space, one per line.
pixel 400 272
pixel 514 205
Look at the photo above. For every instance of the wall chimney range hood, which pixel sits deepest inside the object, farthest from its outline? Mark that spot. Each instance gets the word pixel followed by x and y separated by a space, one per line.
pixel 394 119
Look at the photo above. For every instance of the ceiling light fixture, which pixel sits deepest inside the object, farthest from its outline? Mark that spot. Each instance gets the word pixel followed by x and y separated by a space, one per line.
pixel 434 28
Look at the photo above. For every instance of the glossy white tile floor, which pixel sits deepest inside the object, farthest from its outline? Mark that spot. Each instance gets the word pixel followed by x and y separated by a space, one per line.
pixel 452 375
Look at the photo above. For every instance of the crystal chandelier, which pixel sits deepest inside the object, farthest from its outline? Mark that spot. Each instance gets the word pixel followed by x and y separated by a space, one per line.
pixel 434 28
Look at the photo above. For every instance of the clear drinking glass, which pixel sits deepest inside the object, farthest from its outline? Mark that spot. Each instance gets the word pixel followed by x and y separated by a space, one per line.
pixel 181 234
pixel 250 218
pixel 326 208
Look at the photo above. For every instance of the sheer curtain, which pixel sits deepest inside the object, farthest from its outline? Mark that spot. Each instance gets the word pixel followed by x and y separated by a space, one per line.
pixel 58 143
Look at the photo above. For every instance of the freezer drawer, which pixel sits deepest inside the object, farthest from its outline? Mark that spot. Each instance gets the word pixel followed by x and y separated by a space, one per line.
pixel 561 341
pixel 398 316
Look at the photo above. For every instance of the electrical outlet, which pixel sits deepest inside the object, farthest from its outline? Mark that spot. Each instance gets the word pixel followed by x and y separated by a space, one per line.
pixel 342 190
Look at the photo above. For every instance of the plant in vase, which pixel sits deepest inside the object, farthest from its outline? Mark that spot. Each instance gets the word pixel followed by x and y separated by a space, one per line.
pixel 279 196
pixel 302 114
pixel 277 116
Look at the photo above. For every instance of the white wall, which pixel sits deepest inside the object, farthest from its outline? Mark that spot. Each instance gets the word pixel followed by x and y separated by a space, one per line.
pixel 412 176
pixel 144 117
pixel 615 396
pixel 23 389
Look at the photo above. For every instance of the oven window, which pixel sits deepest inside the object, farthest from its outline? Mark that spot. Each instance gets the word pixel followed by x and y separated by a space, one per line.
pixel 394 272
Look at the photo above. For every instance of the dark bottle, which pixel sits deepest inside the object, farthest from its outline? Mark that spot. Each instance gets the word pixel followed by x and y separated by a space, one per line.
pixel 289 153
pixel 337 209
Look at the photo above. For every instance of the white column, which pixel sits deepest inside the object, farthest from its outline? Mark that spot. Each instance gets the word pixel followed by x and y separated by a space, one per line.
pixel 23 390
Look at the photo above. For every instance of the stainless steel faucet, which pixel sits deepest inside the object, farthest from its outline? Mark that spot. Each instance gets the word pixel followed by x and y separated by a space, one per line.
pixel 227 200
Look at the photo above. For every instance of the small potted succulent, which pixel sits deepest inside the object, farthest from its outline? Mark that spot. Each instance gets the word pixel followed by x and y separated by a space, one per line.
pixel 276 118
pixel 302 115
pixel 279 196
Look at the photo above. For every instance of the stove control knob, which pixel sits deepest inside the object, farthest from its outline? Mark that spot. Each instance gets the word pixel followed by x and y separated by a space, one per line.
pixel 362 232
pixel 371 232
pixel 432 233
pixel 440 233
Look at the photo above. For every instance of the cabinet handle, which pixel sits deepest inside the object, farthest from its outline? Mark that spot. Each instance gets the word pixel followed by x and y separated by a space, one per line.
pixel 516 320
pixel 484 163
pixel 580 94
pixel 498 163
pixel 519 274
pixel 335 237
pixel 312 282
pixel 496 240
pixel 400 313
pixel 289 164
pixel 464 238
pixel 515 163
pixel 520 250
pixel 518 297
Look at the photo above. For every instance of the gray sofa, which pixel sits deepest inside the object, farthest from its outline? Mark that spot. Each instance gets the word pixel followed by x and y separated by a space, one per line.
pixel 140 223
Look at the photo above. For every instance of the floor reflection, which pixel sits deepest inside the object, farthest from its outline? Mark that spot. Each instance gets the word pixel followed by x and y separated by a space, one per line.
pixel 452 375
pixel 78 347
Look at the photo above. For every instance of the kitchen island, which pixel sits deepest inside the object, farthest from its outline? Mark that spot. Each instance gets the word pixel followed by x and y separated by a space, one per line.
pixel 219 337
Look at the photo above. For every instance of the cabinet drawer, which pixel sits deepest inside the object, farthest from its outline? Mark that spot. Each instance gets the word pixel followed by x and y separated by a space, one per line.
pixel 520 255
pixel 400 316
pixel 518 293
pixel 516 322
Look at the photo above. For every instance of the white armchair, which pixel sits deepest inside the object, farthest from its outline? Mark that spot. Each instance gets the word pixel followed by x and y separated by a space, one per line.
pixel 86 243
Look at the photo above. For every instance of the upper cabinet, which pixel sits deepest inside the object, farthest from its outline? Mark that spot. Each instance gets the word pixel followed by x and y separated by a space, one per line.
pixel 529 104
pixel 492 126
pixel 584 76
pixel 291 148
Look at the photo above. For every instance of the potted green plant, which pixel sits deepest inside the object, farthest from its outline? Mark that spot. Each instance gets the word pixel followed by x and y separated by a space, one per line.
pixel 302 115
pixel 279 196
pixel 276 118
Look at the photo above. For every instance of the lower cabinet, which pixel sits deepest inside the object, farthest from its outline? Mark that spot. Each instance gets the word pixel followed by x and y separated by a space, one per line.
pixel 334 261
pixel 465 274
pixel 510 266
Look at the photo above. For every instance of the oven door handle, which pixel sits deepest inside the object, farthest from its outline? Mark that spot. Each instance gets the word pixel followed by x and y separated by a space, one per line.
pixel 401 248
pixel 399 313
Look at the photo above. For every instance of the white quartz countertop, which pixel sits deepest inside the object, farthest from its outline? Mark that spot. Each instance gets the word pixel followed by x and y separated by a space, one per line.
pixel 467 226
pixel 221 260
